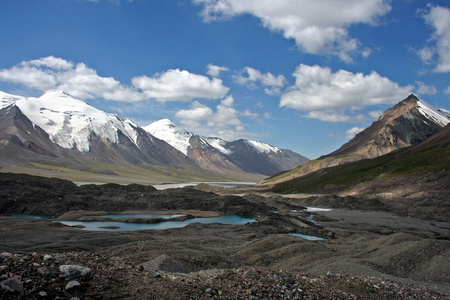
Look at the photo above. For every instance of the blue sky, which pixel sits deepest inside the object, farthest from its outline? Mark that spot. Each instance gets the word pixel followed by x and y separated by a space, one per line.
pixel 297 74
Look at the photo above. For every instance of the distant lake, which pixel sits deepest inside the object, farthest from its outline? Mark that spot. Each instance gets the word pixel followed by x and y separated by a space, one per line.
pixel 142 216
pixel 184 184
pixel 125 226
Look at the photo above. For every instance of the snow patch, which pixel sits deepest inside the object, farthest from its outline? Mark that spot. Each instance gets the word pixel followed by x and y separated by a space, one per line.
pixel 8 99
pixel 219 144
pixel 438 116
pixel 70 122
pixel 262 147
pixel 167 131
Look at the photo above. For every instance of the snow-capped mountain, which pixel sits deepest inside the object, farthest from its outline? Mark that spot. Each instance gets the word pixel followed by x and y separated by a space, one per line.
pixel 70 123
pixel 213 153
pixel 56 126
pixel 408 123
pixel 57 129
pixel 166 130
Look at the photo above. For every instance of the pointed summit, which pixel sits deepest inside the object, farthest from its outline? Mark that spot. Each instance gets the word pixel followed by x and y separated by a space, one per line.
pixel 408 123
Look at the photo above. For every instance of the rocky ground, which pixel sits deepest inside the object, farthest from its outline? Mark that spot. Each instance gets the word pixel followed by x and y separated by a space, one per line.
pixel 373 254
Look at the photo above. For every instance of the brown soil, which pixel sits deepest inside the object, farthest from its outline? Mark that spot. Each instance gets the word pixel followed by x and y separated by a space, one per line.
pixel 373 255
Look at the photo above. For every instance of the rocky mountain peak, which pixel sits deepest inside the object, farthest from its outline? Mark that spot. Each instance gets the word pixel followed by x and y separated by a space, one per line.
pixel 408 123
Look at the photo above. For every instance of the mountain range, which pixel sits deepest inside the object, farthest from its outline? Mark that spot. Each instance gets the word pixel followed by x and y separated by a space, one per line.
pixel 410 122
pixel 59 133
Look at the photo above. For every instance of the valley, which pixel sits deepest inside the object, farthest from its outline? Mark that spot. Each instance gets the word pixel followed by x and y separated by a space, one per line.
pixel 368 221
pixel 369 251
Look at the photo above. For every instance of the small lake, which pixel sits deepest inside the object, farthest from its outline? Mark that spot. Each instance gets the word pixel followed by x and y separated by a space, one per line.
pixel 309 237
pixel 165 186
pixel 124 226
pixel 142 216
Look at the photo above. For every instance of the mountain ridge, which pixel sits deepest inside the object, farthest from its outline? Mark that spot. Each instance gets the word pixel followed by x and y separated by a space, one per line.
pixel 72 134
pixel 409 122
pixel 216 154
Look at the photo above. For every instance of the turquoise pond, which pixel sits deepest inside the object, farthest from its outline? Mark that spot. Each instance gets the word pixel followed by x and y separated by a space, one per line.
pixel 142 216
pixel 309 237
pixel 124 226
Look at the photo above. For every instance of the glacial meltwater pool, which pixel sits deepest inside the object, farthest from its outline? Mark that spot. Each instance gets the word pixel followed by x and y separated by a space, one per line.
pixel 125 226
pixel 309 237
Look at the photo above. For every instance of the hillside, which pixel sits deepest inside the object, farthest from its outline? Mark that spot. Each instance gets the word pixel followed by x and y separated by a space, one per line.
pixel 218 155
pixel 413 180
pixel 57 135
pixel 410 122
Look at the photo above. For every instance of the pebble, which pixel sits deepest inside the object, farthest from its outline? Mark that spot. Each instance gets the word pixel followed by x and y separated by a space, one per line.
pixel 72 284
pixel 47 257
pixel 13 285
pixel 75 272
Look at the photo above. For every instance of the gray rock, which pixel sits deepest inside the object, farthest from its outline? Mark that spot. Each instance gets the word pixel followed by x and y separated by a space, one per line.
pixel 3 269
pixel 47 257
pixel 12 285
pixel 72 285
pixel 43 271
pixel 74 272
pixel 43 293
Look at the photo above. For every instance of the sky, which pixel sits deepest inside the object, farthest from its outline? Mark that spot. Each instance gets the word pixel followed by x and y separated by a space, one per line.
pixel 297 74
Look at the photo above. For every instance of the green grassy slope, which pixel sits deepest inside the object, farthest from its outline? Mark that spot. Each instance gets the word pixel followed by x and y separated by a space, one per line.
pixel 431 155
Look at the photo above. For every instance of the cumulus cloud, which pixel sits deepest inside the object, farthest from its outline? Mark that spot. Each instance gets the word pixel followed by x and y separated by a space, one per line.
pixel 438 18
pixel 375 114
pixel 318 27
pixel 447 91
pixel 248 113
pixel 425 89
pixel 52 73
pixel 214 71
pixel 321 92
pixel 352 132
pixel 179 85
pixel 224 121
pixel 252 78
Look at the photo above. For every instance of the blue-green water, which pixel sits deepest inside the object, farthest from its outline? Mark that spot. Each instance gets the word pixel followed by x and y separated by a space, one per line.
pixel 142 216
pixel 309 237
pixel 123 226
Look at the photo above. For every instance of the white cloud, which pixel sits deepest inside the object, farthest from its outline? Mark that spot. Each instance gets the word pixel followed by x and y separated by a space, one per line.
pixel 214 71
pixel 224 122
pixel 353 131
pixel 426 54
pixel 318 27
pixel 335 116
pixel 51 73
pixel 252 77
pixel 248 113
pixel 179 85
pixel 321 92
pixel 196 114
pixel 424 89
pixel 366 52
pixel 438 18
pixel 375 114
pixel 447 91
pixel 268 115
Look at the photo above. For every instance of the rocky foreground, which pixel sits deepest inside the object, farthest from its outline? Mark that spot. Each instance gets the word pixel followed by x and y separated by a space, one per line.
pixel 372 253
pixel 59 276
